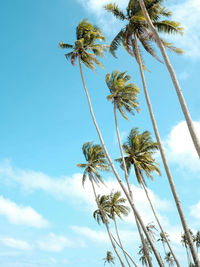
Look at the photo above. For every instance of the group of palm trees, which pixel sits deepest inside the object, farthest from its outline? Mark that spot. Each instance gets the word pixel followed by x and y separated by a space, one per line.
pixel 143 18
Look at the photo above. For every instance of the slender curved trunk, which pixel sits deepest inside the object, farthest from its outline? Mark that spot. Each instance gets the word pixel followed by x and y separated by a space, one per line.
pixel 157 255
pixel 185 110
pixel 120 242
pixel 128 185
pixel 167 169
pixel 158 221
pixel 106 224
pixel 124 251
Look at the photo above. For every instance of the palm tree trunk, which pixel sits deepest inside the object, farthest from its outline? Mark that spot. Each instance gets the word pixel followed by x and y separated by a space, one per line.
pixel 186 113
pixel 146 252
pixel 158 221
pixel 167 169
pixel 105 222
pixel 117 175
pixel 124 251
pixel 120 242
pixel 128 184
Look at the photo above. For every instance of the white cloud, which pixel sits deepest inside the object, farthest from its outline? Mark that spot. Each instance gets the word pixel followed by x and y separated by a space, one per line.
pixel 97 236
pixel 17 214
pixel 180 148
pixel 57 243
pixel 14 243
pixel 71 188
pixel 187 13
pixel 195 210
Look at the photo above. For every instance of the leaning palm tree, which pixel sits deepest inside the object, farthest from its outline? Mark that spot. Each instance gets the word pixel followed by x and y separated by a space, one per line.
pixel 185 110
pixel 101 215
pixel 117 208
pixel 87 36
pixel 139 150
pixel 124 98
pixel 138 29
pixel 109 258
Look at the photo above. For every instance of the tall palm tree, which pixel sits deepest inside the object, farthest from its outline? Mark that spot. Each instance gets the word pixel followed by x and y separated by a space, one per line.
pixel 137 29
pixel 101 215
pixel 109 258
pixel 117 208
pixel 185 110
pixel 124 98
pixel 139 150
pixel 87 36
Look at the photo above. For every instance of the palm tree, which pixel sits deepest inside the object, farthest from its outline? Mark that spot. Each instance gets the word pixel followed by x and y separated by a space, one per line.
pixel 164 238
pixel 87 35
pixel 109 258
pixel 185 243
pixel 169 259
pixel 124 98
pixel 101 215
pixel 96 160
pixel 197 240
pixel 139 150
pixel 143 253
pixel 117 207
pixel 185 110
pixel 137 28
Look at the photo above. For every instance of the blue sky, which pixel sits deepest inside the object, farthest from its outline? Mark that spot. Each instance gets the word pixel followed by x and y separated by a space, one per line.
pixel 45 214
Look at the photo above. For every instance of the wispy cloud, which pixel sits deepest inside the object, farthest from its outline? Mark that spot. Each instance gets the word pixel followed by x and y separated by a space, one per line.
pixel 18 214
pixel 180 148
pixel 14 243
pixel 71 187
pixel 57 243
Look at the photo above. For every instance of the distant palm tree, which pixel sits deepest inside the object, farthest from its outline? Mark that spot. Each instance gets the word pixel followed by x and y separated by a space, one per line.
pixel 109 258
pixel 185 110
pixel 185 243
pixel 197 240
pixel 101 215
pixel 139 150
pixel 143 254
pixel 117 208
pixel 169 259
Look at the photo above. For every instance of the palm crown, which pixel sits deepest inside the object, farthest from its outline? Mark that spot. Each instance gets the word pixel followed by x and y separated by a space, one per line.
pixel 137 26
pixel 123 94
pixel 96 160
pixel 139 149
pixel 109 258
pixel 87 37
pixel 116 205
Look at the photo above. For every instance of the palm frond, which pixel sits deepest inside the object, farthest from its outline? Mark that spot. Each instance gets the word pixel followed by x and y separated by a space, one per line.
pixel 114 9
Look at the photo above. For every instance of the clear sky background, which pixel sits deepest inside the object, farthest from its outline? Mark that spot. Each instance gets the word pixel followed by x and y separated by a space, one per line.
pixel 45 214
